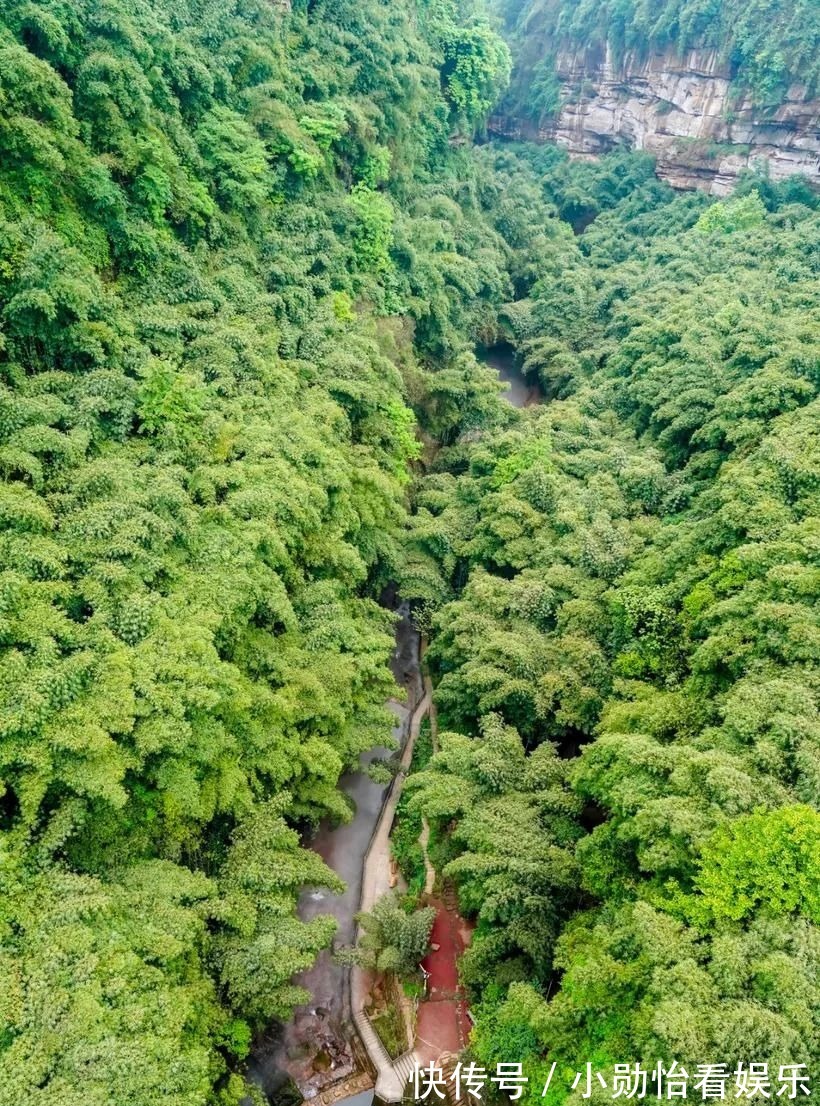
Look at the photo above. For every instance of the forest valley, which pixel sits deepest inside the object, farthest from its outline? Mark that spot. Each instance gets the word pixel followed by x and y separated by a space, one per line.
pixel 246 256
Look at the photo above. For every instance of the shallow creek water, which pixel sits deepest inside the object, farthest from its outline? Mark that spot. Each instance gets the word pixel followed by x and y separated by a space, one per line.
pixel 521 391
pixel 326 1020
pixel 288 1050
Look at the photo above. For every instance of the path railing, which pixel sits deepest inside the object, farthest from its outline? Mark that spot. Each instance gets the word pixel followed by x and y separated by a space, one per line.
pixel 391 1076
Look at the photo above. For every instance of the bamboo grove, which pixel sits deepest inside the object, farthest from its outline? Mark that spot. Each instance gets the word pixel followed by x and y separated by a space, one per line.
pixel 247 252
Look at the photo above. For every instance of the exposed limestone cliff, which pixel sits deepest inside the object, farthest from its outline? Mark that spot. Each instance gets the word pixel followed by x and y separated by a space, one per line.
pixel 683 111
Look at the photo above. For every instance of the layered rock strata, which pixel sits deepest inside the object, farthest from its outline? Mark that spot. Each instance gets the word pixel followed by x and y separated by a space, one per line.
pixel 684 110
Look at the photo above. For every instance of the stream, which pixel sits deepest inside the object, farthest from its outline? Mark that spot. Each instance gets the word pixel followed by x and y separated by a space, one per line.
pixel 521 392
pixel 288 1054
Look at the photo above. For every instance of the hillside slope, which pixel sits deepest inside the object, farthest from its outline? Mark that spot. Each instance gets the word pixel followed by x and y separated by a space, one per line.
pixel 204 451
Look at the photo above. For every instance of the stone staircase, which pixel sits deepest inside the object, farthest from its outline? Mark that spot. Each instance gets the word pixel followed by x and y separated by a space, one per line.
pixel 392 1076
pixel 405 1066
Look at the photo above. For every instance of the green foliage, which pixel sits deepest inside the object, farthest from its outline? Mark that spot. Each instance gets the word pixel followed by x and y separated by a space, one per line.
pixel 763 862
pixel 110 974
pixel 204 449
pixel 262 944
pixel 103 976
pixel 240 262
pixel 636 982
pixel 770 45
pixel 376 167
pixel 627 574
pixel 405 847
pixel 392 939
pixel 511 820
pixel 373 235
pixel 476 71
pixel 544 92
pixel 732 215
pixel 389 1025
pixel 407 825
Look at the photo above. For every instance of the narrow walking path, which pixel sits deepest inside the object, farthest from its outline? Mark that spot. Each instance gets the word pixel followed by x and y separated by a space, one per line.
pixel 321 1028
pixel 391 1076
pixel 429 870
pixel 443 1025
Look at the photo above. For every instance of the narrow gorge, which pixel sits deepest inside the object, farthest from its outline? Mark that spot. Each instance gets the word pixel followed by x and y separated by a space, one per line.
pixel 318 1054
pixel 328 327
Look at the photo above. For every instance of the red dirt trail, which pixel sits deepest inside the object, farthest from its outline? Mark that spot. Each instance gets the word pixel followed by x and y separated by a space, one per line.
pixel 443 1025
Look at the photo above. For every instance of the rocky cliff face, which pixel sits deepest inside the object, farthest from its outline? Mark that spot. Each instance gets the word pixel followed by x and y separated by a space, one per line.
pixel 683 112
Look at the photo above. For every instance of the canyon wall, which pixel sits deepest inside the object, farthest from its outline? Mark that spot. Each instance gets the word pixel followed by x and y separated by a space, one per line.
pixel 682 110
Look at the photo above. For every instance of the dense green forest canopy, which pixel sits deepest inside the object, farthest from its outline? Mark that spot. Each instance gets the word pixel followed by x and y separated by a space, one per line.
pixel 246 255
pixel 218 223
pixel 622 588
